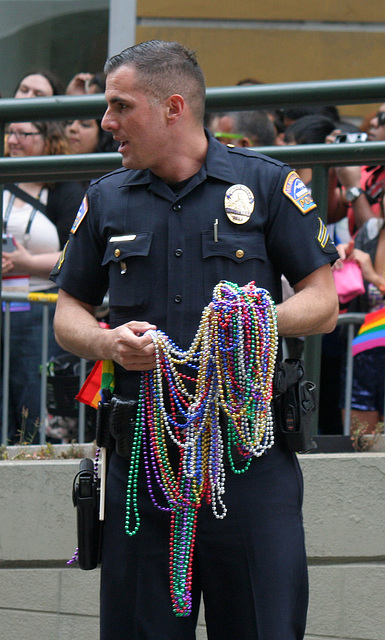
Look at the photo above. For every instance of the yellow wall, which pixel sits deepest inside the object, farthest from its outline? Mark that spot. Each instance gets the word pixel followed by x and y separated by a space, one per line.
pixel 328 40
pixel 328 10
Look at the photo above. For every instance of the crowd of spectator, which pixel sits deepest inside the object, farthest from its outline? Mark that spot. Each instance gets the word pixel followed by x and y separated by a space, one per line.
pixel 38 217
pixel 355 217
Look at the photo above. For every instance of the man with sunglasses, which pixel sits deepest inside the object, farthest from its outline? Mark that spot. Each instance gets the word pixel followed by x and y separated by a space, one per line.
pixel 363 187
pixel 244 128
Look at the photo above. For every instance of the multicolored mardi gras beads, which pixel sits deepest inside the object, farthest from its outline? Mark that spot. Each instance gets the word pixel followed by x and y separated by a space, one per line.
pixel 218 391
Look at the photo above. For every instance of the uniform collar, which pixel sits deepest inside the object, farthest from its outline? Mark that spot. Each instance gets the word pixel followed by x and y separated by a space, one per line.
pixel 136 177
pixel 217 165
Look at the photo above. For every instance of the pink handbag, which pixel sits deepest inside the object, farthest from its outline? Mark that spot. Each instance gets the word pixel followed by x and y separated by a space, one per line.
pixel 349 282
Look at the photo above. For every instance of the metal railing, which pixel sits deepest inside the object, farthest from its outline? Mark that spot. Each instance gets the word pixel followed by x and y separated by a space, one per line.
pixel 45 300
pixel 319 157
pixel 351 321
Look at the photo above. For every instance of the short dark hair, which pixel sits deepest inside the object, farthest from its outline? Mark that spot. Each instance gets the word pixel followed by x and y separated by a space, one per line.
pixel 162 69
pixel 255 125
pixel 309 130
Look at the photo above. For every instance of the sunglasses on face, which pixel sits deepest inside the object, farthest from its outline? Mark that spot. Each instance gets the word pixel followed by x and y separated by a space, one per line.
pixel 380 118
pixel 228 136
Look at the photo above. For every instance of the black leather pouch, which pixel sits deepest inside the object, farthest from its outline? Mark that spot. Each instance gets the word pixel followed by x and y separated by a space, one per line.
pixel 294 404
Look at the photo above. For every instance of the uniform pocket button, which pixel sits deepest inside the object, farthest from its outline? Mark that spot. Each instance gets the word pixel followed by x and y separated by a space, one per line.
pixel 178 299
pixel 178 252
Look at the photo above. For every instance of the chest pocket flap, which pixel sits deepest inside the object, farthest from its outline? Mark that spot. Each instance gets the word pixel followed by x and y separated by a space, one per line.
pixel 238 247
pixel 122 248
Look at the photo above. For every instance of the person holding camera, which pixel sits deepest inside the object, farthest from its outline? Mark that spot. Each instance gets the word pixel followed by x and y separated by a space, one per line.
pixel 363 187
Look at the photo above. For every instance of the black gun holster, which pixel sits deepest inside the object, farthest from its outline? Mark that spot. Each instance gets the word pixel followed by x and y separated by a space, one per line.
pixel 115 424
pixel 294 403
pixel 86 498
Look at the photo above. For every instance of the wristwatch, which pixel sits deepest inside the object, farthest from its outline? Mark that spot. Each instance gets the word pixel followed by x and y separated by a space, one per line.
pixel 352 194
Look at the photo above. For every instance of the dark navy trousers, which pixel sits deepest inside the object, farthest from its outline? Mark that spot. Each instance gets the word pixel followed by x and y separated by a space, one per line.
pixel 250 567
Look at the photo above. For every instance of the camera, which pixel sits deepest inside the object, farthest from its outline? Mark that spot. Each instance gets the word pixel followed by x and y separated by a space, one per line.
pixel 351 137
pixel 8 243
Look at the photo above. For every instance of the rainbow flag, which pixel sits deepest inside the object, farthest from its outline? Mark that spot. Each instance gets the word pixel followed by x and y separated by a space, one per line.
pixel 101 377
pixel 371 333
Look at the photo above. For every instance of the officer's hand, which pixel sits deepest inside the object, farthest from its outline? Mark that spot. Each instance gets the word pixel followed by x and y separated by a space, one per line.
pixel 132 347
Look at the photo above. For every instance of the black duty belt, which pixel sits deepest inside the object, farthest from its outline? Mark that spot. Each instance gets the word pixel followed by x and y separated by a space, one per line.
pixel 294 403
pixel 116 421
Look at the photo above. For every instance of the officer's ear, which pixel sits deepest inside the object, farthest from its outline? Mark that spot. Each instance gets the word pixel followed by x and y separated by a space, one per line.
pixel 175 105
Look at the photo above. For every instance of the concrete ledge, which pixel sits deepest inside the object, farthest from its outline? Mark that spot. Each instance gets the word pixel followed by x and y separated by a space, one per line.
pixel 40 522
pixel 344 517
pixel 16 625
pixel 344 513
pixel 347 601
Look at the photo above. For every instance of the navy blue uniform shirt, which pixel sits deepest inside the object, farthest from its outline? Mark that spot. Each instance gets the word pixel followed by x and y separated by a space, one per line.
pixel 155 251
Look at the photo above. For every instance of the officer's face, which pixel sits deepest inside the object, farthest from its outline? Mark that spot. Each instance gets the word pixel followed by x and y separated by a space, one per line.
pixel 139 125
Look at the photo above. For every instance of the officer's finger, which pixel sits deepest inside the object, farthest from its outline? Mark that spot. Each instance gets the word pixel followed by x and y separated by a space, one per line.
pixel 140 328
pixel 127 336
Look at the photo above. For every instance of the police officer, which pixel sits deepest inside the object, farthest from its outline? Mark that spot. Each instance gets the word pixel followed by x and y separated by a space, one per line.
pixel 184 213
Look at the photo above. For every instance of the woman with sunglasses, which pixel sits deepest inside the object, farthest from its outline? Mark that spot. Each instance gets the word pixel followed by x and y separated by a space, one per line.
pixel 37 218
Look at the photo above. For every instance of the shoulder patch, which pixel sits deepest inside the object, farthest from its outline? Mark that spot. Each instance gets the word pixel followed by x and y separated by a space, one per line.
pixel 80 215
pixel 298 193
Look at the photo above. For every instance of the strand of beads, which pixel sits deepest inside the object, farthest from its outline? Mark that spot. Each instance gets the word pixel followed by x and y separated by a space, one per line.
pixel 247 372
pixel 229 367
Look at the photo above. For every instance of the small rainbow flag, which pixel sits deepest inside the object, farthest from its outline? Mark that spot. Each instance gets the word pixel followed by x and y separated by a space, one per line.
pixel 101 377
pixel 371 333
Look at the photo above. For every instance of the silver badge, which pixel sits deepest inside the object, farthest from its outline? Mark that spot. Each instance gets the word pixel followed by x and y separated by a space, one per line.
pixel 239 203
